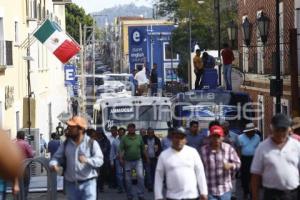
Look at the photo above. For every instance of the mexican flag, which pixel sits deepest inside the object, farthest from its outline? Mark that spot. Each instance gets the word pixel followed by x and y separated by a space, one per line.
pixel 62 46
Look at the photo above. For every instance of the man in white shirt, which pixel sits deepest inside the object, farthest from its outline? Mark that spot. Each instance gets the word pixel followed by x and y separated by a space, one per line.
pixel 183 170
pixel 142 80
pixel 276 163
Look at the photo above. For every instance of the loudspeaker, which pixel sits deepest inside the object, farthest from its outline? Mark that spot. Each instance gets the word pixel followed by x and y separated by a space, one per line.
pixel 26 113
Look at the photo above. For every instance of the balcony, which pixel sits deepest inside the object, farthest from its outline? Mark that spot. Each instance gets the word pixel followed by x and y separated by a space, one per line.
pixel 61 2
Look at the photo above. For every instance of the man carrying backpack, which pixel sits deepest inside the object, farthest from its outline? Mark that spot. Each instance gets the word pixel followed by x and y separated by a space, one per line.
pixel 80 157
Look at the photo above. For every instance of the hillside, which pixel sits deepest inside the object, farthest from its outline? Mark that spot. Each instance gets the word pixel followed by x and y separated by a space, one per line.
pixel 124 10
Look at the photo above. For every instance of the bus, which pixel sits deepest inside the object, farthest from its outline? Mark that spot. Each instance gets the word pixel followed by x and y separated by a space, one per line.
pixel 205 106
pixel 144 112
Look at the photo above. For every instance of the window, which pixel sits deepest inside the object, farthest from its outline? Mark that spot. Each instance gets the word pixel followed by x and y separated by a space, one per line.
pixel 9 52
pixel 285 106
pixel 168 53
pixel 260 50
pixel 17 120
pixel 1 115
pixel 261 122
pixel 298 34
pixel 16 32
pixel 281 34
pixel 245 59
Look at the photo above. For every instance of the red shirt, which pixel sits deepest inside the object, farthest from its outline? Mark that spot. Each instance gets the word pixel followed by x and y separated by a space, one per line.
pixel 227 56
pixel 25 148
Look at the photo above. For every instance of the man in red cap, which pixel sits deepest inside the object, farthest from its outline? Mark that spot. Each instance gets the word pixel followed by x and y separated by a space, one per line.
pixel 220 162
pixel 80 157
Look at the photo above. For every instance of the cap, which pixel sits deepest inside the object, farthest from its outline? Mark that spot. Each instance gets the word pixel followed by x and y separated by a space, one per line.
pixel 249 127
pixel 281 121
pixel 296 123
pixel 180 130
pixel 77 121
pixel 216 130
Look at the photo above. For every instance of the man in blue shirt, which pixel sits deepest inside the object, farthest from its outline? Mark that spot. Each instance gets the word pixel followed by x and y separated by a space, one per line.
pixel 166 142
pixel 194 136
pixel 53 144
pixel 248 142
pixel 81 156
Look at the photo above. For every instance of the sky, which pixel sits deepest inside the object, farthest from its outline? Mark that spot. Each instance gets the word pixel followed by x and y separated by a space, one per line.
pixel 98 5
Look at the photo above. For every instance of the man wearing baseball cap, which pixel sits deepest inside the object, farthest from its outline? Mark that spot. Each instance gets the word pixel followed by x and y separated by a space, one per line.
pixel 276 163
pixel 80 156
pixel 220 162
pixel 182 169
pixel 248 142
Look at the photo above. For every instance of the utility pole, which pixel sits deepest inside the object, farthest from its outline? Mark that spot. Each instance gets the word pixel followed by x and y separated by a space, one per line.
pixel 217 7
pixel 190 50
pixel 94 62
pixel 28 58
pixel 83 68
pixel 278 74
pixel 81 62
pixel 29 86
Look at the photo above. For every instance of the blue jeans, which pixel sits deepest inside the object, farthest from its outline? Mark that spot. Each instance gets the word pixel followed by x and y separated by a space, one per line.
pixel 227 76
pixel 225 196
pixel 150 172
pixel 81 191
pixel 119 174
pixel 138 166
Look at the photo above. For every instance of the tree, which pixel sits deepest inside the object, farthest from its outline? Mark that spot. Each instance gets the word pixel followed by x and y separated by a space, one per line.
pixel 74 16
pixel 204 25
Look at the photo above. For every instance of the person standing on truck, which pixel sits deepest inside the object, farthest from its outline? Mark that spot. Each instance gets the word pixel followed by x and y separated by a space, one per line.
pixel 198 68
pixel 209 62
pixel 153 80
pixel 142 81
pixel 228 58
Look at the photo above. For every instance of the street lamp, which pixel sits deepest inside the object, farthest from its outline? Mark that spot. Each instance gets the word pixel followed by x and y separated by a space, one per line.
pixel 232 27
pixel 263 27
pixel 246 27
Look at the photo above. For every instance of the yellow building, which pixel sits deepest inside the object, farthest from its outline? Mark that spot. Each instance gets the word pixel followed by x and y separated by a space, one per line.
pixel 18 20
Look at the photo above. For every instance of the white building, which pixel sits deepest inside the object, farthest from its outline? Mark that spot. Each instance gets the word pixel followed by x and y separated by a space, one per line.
pixel 18 19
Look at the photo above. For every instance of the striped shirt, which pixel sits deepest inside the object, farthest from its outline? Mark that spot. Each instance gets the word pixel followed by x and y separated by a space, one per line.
pixel 219 180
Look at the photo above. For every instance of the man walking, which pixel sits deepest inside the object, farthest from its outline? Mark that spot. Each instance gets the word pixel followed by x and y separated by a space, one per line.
pixel 153 149
pixel 80 156
pixel 27 152
pixel 198 68
pixel 153 80
pixel 220 162
pixel 131 150
pixel 228 58
pixel 276 163
pixel 194 136
pixel 166 142
pixel 181 168
pixel 53 144
pixel 248 142
pixel 114 159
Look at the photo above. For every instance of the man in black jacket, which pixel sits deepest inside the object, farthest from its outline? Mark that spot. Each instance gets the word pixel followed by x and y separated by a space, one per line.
pixel 153 149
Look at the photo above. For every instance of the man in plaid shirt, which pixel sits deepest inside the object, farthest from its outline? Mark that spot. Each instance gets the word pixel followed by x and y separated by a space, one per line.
pixel 220 162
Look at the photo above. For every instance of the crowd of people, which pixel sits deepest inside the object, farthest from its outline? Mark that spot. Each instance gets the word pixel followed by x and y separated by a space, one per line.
pixel 186 164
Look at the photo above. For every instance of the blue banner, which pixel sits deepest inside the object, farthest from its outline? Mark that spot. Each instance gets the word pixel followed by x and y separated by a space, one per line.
pixel 70 75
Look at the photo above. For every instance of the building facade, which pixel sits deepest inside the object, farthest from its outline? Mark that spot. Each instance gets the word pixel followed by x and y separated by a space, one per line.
pixel 258 60
pixel 18 20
